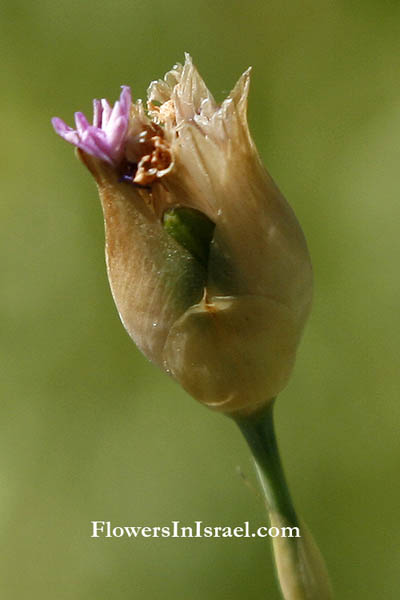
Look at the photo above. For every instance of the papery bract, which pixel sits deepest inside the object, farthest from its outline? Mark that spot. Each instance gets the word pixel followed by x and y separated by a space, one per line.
pixel 227 331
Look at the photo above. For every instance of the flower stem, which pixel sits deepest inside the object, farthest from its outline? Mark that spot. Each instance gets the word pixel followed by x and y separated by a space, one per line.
pixel 259 431
pixel 300 567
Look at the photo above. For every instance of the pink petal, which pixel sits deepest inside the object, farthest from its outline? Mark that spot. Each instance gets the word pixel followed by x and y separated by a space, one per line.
pixel 116 135
pixel 99 138
pixel 64 131
pixel 125 99
pixel 82 123
pixel 90 146
pixel 59 125
pixel 97 113
pixel 106 112
pixel 115 114
pixel 105 137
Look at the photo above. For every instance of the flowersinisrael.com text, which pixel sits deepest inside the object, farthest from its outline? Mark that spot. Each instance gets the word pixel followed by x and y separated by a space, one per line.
pixel 106 529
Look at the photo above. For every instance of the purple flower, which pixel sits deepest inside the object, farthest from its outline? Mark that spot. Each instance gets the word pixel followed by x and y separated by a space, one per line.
pixel 105 139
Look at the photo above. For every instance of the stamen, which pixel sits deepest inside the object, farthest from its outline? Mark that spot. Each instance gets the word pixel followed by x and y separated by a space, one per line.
pixel 155 164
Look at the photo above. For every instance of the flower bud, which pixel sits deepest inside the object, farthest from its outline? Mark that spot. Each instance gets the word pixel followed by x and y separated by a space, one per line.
pixel 207 263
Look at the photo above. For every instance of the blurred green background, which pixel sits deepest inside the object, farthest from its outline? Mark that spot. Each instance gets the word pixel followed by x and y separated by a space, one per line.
pixel 89 429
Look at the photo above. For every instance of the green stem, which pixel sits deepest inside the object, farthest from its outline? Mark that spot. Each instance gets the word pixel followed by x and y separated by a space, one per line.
pixel 300 567
pixel 259 432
